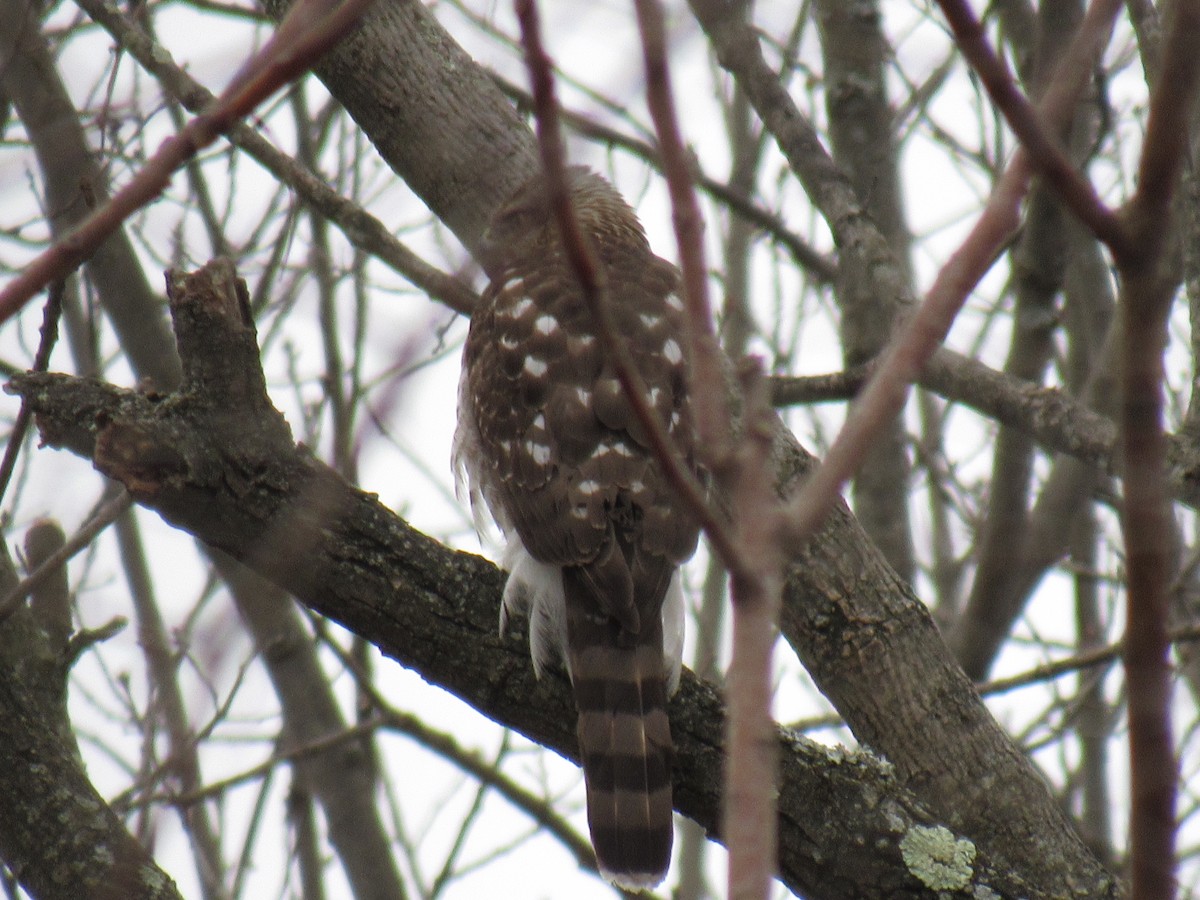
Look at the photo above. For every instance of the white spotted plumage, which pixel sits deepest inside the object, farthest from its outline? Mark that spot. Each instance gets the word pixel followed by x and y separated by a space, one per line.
pixel 595 535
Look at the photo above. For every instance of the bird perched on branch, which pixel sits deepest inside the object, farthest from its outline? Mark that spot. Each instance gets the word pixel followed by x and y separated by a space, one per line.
pixel 547 438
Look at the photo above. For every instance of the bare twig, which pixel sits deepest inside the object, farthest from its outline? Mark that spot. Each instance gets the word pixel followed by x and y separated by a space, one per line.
pixel 1085 659
pixel 444 745
pixel 744 471
pixel 167 716
pixel 1048 158
pixel 311 28
pixel 821 267
pixel 711 405
pixel 362 229
pixel 103 517
pixel 41 361
pixel 756 574
pixel 923 333
pixel 885 393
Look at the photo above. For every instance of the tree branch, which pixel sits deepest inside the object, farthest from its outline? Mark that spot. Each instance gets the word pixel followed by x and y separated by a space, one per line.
pixel 57 835
pixel 218 461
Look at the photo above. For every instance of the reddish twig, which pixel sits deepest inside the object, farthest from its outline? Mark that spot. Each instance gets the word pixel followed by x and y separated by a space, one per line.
pixel 1138 241
pixel 757 576
pixel 1146 526
pixel 362 229
pixel 748 817
pixel 1027 124
pixel 310 29
pixel 708 386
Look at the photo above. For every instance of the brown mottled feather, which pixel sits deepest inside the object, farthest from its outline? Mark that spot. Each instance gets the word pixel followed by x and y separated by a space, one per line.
pixel 552 445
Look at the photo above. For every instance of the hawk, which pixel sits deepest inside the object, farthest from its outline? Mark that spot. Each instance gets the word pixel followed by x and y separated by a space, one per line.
pixel 595 533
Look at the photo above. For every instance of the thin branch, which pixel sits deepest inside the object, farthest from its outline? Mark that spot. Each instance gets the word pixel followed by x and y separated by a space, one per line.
pixel 1086 659
pixel 311 28
pixel 41 362
pixel 215 789
pixel 904 359
pixel 920 337
pixel 168 712
pixel 802 390
pixel 103 517
pixel 749 818
pixel 707 385
pixel 1024 119
pixel 472 763
pixel 822 268
pixel 362 229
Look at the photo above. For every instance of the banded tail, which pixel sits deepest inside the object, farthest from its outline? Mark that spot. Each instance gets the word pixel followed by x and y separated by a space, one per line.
pixel 620 686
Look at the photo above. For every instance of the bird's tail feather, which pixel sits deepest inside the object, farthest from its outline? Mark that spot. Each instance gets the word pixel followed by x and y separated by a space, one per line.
pixel 625 743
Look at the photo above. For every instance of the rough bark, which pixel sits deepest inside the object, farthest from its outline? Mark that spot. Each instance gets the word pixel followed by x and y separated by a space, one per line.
pixel 58 837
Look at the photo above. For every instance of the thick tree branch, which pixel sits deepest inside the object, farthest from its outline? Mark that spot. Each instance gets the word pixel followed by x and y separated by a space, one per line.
pixel 57 835
pixel 218 461
pixel 864 144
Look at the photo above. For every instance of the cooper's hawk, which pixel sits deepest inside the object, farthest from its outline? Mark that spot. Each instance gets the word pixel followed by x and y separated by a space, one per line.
pixel 595 533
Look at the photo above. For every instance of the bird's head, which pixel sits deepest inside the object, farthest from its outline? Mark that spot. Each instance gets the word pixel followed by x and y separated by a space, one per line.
pixel 525 228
